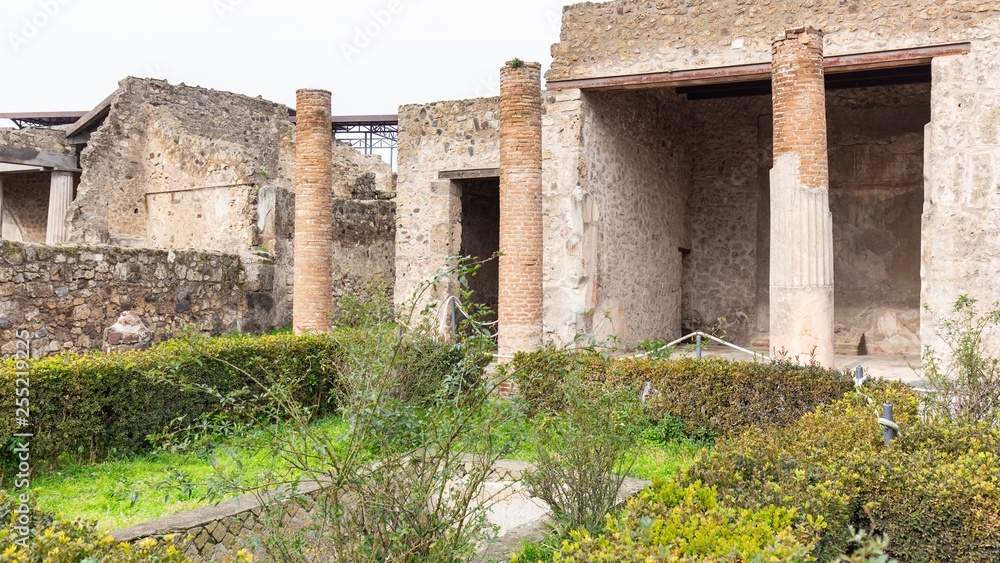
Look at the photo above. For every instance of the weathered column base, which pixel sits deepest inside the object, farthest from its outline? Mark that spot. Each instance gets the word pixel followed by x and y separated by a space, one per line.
pixel 802 324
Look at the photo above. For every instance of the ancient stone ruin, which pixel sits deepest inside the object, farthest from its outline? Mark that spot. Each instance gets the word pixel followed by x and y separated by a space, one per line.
pixel 800 177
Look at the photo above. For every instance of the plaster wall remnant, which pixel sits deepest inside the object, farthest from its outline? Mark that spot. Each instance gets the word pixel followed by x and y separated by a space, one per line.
pixel 801 279
pixel 181 167
pixel 433 138
pixel 520 294
pixel 960 234
pixel 313 212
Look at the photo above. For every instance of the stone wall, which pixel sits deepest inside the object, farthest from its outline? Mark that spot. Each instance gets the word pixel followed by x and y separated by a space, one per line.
pixel 960 237
pixel 641 36
pixel 364 248
pixel 214 150
pixel 360 176
pixel 26 205
pixel 730 148
pixel 43 139
pixel 66 296
pixel 876 147
pixel 432 138
pixel 637 171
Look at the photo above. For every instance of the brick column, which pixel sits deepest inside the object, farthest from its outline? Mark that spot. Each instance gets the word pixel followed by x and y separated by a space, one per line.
pixel 60 198
pixel 801 281
pixel 520 299
pixel 313 271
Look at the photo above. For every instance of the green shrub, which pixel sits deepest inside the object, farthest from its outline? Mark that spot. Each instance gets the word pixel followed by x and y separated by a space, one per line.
pixel 935 492
pixel 967 384
pixel 670 522
pixel 88 407
pixel 712 397
pixel 585 451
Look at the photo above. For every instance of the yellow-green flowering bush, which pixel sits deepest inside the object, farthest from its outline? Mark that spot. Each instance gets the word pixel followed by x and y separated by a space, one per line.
pixel 672 522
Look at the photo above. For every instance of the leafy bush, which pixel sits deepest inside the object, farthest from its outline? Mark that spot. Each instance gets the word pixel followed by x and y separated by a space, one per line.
pixel 585 451
pixel 967 385
pixel 935 492
pixel 712 397
pixel 671 522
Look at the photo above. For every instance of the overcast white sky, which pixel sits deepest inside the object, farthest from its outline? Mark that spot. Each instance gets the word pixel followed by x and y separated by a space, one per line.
pixel 66 55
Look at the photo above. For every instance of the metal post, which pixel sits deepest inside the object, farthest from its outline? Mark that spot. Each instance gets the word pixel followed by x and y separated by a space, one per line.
pixel 888 433
pixel 859 376
pixel 697 345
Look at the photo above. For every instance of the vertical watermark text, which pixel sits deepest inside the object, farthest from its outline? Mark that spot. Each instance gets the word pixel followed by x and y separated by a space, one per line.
pixel 22 438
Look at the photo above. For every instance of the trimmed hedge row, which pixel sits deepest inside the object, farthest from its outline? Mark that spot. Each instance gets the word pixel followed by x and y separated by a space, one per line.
pixel 89 406
pixel 713 397
pixel 935 492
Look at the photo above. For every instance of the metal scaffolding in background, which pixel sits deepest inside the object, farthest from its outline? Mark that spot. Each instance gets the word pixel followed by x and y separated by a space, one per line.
pixel 369 134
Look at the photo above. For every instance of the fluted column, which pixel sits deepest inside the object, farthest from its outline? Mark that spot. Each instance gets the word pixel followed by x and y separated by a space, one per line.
pixel 60 198
pixel 520 295
pixel 313 270
pixel 801 276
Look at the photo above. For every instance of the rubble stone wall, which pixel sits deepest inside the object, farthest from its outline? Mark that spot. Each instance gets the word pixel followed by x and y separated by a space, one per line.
pixel 638 172
pixel 432 138
pixel 65 296
pixel 641 36
pixel 730 158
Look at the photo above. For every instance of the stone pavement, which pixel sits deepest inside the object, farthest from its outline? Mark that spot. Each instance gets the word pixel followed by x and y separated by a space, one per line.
pixel 896 367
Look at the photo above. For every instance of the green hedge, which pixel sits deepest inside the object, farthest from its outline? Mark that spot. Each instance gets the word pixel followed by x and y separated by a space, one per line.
pixel 713 397
pixel 935 492
pixel 89 406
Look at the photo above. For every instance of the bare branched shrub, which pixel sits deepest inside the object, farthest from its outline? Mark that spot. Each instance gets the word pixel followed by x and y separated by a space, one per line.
pixel 585 450
pixel 965 383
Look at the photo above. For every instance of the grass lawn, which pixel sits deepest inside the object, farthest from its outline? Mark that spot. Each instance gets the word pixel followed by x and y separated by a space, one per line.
pixel 122 493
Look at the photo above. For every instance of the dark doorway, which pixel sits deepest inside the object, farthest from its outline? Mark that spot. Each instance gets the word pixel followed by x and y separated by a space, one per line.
pixel 481 237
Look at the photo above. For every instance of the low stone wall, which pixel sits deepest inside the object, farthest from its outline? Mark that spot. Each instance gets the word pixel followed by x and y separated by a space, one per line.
pixel 213 533
pixel 65 296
